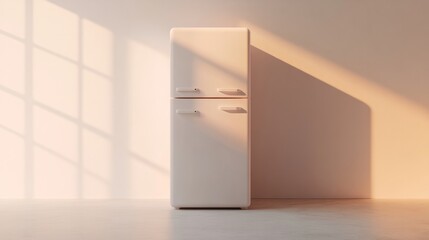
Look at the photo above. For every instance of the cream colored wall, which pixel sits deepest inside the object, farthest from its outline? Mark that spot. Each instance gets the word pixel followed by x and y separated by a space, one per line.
pixel 340 96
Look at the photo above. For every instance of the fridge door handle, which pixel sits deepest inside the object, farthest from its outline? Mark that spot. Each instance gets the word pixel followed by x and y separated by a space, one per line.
pixel 187 89
pixel 186 111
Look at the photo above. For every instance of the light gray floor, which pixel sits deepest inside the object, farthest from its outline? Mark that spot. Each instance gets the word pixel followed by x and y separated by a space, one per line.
pixel 266 219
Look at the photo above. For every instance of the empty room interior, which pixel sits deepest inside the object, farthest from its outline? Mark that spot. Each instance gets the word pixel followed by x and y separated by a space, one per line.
pixel 240 119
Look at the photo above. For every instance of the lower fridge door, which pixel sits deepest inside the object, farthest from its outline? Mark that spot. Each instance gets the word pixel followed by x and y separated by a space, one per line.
pixel 210 158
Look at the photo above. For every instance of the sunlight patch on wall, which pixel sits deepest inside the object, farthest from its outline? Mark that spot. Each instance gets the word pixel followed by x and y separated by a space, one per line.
pixel 12 111
pixel 97 101
pixel 55 82
pixel 12 17
pixel 148 90
pixel 12 62
pixel 54 176
pixel 97 47
pixel 12 165
pixel 55 133
pixel 146 97
pixel 96 165
pixel 56 29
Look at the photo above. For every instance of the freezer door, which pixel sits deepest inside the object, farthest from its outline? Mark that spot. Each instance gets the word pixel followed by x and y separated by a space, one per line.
pixel 209 62
pixel 210 153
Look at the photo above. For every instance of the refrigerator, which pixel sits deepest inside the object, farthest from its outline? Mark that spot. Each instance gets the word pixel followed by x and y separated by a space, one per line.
pixel 210 134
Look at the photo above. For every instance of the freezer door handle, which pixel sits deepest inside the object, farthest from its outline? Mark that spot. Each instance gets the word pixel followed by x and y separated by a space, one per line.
pixel 187 89
pixel 223 108
pixel 186 111
pixel 228 90
pixel 231 91
pixel 232 109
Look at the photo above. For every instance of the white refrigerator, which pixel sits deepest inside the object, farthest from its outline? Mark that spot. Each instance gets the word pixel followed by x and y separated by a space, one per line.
pixel 210 134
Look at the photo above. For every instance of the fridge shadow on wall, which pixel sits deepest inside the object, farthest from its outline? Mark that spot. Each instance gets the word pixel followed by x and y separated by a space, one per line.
pixel 309 139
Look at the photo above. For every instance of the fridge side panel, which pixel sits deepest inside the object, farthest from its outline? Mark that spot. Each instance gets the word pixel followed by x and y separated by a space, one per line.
pixel 210 156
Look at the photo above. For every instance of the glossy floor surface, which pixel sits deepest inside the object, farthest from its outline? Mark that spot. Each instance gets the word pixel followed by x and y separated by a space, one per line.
pixel 266 219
